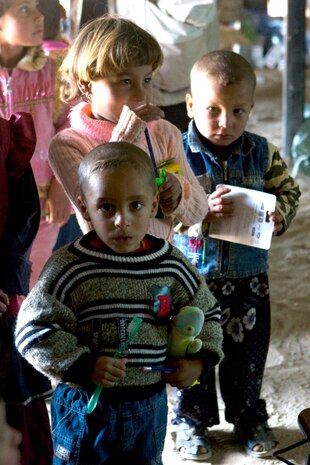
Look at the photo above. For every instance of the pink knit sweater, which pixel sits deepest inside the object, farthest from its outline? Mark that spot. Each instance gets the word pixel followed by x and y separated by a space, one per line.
pixel 69 146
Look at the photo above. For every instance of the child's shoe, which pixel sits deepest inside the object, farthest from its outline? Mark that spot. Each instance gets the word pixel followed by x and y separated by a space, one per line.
pixel 258 440
pixel 192 442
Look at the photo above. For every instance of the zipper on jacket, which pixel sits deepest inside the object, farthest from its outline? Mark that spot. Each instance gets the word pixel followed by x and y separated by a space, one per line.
pixel 225 170
pixel 223 246
pixel 8 94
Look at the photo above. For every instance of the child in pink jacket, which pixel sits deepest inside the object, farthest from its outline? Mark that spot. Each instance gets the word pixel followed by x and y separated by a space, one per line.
pixel 28 83
pixel 110 66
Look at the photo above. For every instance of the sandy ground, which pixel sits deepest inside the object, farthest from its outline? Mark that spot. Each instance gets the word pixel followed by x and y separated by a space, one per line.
pixel 286 386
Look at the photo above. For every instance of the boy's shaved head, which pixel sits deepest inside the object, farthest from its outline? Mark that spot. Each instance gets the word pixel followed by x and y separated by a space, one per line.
pixel 225 67
pixel 112 155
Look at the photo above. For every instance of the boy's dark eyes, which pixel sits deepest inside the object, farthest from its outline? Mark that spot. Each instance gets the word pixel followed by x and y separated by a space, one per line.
pixel 136 205
pixel 109 208
pixel 236 111
pixel 106 207
pixel 212 109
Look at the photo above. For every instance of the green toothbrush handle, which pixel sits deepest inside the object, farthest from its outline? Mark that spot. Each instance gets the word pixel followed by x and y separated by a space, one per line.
pixel 94 399
pixel 135 325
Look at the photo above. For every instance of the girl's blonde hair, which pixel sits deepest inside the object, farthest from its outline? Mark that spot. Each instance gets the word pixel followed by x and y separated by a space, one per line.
pixel 106 46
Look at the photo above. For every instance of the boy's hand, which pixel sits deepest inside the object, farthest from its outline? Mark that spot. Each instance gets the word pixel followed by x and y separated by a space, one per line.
pixel 187 372
pixel 278 221
pixel 57 204
pixel 108 370
pixel 219 206
pixel 149 112
pixel 4 302
pixel 170 193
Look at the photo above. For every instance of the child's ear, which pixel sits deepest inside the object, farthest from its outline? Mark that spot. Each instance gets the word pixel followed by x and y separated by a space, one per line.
pixel 84 88
pixel 83 209
pixel 189 105
pixel 155 204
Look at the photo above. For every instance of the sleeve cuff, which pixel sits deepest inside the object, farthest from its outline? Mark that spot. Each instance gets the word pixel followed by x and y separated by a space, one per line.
pixel 81 371
pixel 210 360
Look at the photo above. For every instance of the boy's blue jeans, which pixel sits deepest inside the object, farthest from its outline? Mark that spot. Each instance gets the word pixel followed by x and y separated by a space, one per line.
pixel 133 431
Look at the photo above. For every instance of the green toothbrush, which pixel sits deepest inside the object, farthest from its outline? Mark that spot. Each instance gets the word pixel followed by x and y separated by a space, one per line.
pixel 132 330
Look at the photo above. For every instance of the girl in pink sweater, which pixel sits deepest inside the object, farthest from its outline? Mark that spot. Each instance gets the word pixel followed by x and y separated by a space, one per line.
pixel 110 67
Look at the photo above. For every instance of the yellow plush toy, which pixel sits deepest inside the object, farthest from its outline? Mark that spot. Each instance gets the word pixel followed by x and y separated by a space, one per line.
pixel 185 327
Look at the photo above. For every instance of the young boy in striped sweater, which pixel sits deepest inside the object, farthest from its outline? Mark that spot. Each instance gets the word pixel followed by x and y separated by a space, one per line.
pixel 78 315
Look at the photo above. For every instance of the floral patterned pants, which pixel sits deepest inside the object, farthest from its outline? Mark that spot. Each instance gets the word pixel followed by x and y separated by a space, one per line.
pixel 246 325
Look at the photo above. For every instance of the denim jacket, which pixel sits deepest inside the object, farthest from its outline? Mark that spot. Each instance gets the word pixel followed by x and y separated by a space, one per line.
pixel 245 167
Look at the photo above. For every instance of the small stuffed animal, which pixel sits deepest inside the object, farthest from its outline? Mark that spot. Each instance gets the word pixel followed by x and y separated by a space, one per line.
pixel 185 326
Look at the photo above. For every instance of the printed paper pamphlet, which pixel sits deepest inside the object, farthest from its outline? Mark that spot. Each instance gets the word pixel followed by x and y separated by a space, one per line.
pixel 249 224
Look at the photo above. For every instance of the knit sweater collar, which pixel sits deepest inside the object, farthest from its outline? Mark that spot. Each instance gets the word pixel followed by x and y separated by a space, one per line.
pixel 159 252
pixel 80 118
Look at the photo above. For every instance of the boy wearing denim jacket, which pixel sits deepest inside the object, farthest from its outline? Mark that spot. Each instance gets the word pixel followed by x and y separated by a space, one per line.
pixel 220 151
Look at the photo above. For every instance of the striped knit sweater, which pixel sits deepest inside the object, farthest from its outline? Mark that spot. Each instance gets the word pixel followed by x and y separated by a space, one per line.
pixel 85 297
pixel 68 148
